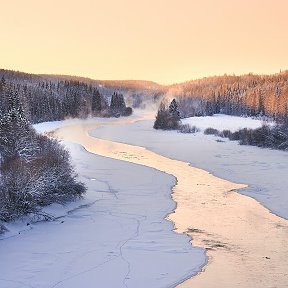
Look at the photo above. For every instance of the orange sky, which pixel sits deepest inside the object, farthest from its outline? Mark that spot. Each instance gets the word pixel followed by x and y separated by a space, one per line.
pixel 162 40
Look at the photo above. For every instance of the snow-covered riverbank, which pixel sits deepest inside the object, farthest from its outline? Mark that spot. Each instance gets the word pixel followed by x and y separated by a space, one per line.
pixel 264 171
pixel 116 237
pixel 217 218
pixel 246 243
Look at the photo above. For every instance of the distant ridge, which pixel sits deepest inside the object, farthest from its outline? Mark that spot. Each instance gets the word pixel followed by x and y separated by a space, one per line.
pixel 132 84
pixel 142 84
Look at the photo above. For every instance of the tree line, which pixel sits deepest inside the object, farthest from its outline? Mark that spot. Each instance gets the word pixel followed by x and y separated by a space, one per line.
pixel 275 137
pixel 57 100
pixel 249 95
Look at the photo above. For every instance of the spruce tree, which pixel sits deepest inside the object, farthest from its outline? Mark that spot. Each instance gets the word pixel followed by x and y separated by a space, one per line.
pixel 15 132
pixel 174 110
pixel 96 102
pixel 167 118
pixel 117 102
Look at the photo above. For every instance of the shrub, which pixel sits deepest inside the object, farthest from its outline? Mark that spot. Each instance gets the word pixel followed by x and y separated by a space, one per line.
pixel 225 134
pixel 265 136
pixel 235 136
pixel 127 112
pixel 211 131
pixel 186 128
pixel 29 183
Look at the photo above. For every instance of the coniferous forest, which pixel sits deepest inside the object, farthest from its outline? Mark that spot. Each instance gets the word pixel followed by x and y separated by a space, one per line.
pixel 44 99
pixel 246 95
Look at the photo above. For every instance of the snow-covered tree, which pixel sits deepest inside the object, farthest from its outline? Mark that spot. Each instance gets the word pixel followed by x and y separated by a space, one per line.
pixel 118 105
pixel 96 102
pixel 167 118
pixel 34 170
pixel 174 110
pixel 117 102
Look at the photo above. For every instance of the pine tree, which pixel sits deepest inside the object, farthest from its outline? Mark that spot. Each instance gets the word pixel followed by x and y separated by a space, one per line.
pixel 2 84
pixel 15 133
pixel 96 102
pixel 117 105
pixel 174 110
pixel 161 117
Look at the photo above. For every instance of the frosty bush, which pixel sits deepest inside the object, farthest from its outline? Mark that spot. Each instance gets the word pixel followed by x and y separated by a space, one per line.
pixel 211 131
pixel 127 112
pixel 186 128
pixel 265 136
pixel 35 170
pixel 26 186
pixel 225 134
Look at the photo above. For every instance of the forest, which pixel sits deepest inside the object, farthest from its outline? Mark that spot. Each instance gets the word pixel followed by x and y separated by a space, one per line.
pixel 49 100
pixel 246 95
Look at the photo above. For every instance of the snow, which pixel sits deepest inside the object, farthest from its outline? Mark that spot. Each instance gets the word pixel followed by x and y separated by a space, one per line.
pixel 221 122
pixel 264 170
pixel 117 236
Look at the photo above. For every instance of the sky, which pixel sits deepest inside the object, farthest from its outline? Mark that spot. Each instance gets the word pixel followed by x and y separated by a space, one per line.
pixel 166 41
